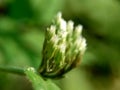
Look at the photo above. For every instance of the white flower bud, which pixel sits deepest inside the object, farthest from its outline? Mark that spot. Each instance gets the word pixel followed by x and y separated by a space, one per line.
pixel 59 16
pixel 78 29
pixel 63 25
pixel 83 45
pixel 70 26
pixel 61 22
pixel 52 29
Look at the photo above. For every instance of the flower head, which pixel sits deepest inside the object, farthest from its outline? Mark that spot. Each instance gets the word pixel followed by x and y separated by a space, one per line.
pixel 63 47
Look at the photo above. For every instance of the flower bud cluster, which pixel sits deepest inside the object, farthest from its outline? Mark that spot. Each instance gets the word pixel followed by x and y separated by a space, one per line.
pixel 63 47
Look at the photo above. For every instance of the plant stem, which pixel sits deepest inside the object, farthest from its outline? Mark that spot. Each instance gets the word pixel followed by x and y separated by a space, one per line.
pixel 14 70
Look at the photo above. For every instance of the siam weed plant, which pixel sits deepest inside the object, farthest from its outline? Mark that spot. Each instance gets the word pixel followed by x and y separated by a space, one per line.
pixel 62 51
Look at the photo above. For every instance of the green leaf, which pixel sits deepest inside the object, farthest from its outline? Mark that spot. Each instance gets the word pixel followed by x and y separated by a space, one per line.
pixel 38 82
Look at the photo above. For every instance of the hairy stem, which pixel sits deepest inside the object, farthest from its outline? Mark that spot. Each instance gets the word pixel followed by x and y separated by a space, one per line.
pixel 14 70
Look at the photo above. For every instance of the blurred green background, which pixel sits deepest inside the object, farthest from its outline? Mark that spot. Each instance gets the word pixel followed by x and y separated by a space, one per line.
pixel 22 26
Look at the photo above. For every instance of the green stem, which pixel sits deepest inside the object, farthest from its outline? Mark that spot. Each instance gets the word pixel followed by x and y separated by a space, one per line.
pixel 14 70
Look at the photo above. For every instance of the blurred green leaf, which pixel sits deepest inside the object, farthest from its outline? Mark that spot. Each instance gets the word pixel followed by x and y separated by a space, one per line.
pixel 45 9
pixel 20 10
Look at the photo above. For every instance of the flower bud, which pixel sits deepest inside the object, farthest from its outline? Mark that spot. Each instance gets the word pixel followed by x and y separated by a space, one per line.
pixel 63 48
